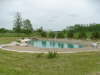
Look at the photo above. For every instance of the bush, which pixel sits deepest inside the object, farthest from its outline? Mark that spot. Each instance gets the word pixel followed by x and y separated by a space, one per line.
pixel 43 34
pixel 60 35
pixel 51 34
pixel 76 35
pixel 70 34
pixel 52 55
pixel 82 35
pixel 95 35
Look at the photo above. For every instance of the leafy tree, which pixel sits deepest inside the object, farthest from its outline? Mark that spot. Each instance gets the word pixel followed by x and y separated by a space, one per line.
pixel 27 26
pixel 43 34
pixel 70 34
pixel 84 30
pixel 60 35
pixel 82 35
pixel 18 23
pixel 40 30
pixel 95 35
pixel 52 34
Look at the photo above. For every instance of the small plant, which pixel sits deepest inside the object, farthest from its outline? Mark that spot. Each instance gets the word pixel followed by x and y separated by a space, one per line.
pixel 39 55
pixel 52 54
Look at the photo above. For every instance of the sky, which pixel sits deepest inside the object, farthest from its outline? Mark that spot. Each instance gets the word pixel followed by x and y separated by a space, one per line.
pixel 50 14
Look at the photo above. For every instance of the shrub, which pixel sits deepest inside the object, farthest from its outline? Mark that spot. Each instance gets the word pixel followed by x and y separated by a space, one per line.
pixel 51 34
pixel 76 35
pixel 44 34
pixel 52 54
pixel 60 35
pixel 70 34
pixel 82 35
pixel 95 35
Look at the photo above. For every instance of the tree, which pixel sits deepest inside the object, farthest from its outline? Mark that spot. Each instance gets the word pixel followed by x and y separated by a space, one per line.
pixel 18 23
pixel 70 34
pixel 51 34
pixel 27 26
pixel 44 34
pixel 95 35
pixel 82 35
pixel 40 30
pixel 60 34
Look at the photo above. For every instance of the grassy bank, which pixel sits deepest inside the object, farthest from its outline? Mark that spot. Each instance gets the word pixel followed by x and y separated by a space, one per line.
pixel 4 40
pixel 19 35
pixel 12 63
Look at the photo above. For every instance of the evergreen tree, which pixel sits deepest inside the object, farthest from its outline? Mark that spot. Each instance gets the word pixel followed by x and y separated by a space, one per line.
pixel 17 23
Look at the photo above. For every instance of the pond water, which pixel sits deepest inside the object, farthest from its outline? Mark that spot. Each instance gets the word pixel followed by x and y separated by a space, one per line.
pixel 52 44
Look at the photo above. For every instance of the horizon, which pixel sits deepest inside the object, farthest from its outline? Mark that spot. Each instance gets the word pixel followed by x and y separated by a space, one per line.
pixel 50 14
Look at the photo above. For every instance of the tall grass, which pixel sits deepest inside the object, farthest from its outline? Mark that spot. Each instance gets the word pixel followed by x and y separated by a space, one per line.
pixel 52 54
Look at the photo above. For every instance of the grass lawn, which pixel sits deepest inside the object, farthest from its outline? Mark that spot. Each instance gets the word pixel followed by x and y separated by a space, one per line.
pixel 13 63
pixel 4 40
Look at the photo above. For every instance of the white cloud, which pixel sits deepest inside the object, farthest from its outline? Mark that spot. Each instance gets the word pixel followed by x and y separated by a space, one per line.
pixel 51 14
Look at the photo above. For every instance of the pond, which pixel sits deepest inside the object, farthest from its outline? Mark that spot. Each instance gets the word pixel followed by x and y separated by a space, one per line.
pixel 52 44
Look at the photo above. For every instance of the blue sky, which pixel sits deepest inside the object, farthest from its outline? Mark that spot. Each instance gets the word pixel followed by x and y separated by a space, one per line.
pixel 51 14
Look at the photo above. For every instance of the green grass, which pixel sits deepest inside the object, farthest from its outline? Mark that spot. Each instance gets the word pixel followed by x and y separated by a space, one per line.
pixel 19 35
pixel 4 40
pixel 13 63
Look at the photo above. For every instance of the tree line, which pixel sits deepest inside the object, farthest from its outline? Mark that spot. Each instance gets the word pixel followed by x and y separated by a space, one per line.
pixel 84 31
pixel 78 31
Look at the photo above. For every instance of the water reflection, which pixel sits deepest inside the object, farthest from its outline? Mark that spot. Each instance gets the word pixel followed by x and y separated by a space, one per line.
pixel 52 44
pixel 44 44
